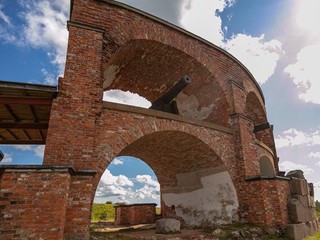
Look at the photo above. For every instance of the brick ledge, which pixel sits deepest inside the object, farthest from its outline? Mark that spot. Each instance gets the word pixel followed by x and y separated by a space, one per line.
pixel 47 168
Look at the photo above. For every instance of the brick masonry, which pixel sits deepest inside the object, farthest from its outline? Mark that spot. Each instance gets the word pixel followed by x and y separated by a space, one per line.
pixel 112 46
pixel 135 214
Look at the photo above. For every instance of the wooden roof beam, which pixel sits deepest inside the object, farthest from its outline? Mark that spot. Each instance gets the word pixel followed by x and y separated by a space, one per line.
pixel 22 142
pixel 25 101
pixel 24 125
pixel 12 114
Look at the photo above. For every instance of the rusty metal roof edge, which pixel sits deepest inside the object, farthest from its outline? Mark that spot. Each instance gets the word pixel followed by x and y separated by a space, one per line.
pixel 28 86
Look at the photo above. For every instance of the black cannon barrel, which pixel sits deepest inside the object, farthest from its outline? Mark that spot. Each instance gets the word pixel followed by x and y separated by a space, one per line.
pixel 176 89
pixel 166 103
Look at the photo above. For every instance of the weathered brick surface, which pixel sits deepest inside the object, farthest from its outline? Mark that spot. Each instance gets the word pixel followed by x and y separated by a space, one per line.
pixel 78 209
pixel 267 201
pixel 33 204
pixel 135 214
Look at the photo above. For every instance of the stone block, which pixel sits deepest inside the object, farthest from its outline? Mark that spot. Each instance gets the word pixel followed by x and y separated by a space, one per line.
pixel 304 200
pixel 167 225
pixel 296 174
pixel 310 214
pixel 299 186
pixel 297 231
pixel 311 202
pixel 296 211
pixel 311 189
pixel 313 227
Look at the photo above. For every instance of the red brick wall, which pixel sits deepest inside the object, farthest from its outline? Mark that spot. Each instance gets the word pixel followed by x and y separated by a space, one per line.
pixel 33 204
pixel 78 209
pixel 267 201
pixel 135 214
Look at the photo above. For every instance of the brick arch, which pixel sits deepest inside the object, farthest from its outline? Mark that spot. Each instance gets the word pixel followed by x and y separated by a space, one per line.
pixel 150 68
pixel 183 158
pixel 254 109
pixel 109 146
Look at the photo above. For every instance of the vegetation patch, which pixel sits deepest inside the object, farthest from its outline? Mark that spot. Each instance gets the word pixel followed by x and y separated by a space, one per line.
pixel 102 212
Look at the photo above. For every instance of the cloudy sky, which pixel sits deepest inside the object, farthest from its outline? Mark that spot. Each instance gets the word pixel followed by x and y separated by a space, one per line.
pixel 278 41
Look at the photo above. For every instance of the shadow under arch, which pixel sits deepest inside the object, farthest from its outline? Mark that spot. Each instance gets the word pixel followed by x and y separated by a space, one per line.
pixel 266 167
pixel 150 68
pixel 195 186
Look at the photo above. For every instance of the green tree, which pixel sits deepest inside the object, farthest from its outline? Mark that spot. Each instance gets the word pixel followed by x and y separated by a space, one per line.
pixel 109 202
pixel 318 206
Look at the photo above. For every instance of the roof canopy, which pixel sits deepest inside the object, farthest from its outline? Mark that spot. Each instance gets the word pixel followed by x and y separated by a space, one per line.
pixel 25 112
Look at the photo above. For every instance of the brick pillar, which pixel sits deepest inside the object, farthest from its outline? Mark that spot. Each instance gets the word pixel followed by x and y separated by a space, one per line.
pixel 71 133
pixel 245 147
pixel 33 201
pixel 79 205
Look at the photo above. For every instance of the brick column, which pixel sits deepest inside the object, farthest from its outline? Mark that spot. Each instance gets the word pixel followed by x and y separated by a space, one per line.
pixel 71 132
pixel 79 204
pixel 33 201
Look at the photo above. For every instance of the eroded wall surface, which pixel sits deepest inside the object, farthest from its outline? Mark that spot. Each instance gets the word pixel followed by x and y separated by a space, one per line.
pixel 203 197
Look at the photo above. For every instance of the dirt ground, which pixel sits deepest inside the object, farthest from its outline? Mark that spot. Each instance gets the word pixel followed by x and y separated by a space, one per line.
pixel 146 232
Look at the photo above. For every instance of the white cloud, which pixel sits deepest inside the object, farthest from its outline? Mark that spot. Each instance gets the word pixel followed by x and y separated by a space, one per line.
pixel 259 56
pixel 314 155
pixel 120 188
pixel 38 150
pixel 127 98
pixel 23 147
pixel 117 161
pixel 304 73
pixel 307 16
pixel 200 18
pixel 147 179
pixel 146 192
pixel 3 16
pixel 118 181
pixel 46 28
pixel 317 190
pixel 7 159
pixel 49 78
pixel 289 166
pixel 294 137
pixel 318 164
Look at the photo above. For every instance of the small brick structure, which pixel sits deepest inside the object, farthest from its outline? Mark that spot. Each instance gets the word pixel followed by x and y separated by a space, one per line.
pixel 135 214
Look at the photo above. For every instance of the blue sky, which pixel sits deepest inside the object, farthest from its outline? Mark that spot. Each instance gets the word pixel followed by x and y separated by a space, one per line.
pixel 278 41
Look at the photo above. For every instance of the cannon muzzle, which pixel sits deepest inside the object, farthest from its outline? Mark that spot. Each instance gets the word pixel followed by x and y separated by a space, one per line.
pixel 165 103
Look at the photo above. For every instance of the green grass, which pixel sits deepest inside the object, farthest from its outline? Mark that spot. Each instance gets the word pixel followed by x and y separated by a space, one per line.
pixel 102 212
pixel 105 212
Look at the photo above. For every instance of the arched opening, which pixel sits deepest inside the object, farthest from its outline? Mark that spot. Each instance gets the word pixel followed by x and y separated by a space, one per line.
pixel 150 68
pixel 125 97
pixel 256 111
pixel 266 167
pixel 195 186
pixel 126 181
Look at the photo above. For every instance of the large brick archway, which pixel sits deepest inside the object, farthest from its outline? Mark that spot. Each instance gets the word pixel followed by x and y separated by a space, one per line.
pixel 194 180
pixel 212 148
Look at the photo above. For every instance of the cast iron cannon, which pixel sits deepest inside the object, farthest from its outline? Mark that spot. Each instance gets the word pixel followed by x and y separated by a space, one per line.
pixel 166 102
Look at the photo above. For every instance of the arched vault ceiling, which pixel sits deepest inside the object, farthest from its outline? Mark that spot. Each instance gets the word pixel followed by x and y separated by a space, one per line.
pixel 171 152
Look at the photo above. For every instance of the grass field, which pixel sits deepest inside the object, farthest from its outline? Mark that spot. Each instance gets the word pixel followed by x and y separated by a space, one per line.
pixel 102 212
pixel 105 212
